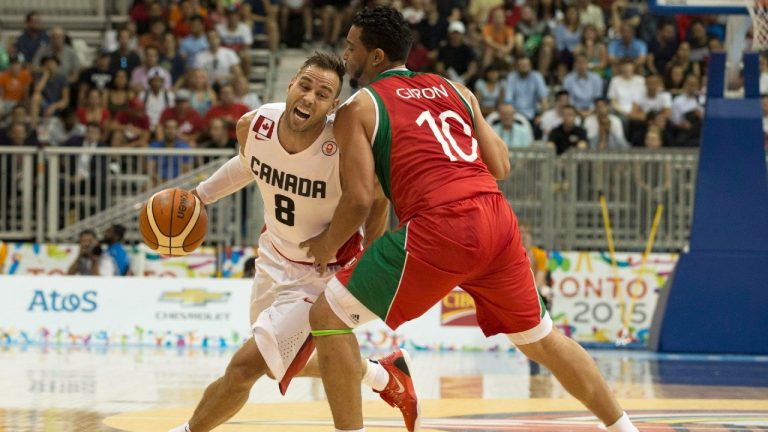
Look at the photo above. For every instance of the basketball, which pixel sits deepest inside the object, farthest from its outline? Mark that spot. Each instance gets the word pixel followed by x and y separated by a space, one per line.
pixel 173 222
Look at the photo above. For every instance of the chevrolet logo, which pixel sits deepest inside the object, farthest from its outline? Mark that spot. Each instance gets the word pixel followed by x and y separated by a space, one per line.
pixel 194 297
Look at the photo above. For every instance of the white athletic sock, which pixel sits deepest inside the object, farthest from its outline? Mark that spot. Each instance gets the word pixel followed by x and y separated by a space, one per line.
pixel 375 375
pixel 623 424
pixel 182 428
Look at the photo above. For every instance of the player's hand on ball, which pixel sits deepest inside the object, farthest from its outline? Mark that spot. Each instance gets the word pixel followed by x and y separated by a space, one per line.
pixel 319 250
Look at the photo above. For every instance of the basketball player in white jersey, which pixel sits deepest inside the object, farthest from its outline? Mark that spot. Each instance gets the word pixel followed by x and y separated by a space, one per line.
pixel 289 149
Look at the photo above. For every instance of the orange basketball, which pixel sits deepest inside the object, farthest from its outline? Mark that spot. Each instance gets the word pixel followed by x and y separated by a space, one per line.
pixel 173 222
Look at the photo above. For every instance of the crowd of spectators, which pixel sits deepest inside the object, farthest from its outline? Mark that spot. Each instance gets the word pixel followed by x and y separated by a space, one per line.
pixel 599 74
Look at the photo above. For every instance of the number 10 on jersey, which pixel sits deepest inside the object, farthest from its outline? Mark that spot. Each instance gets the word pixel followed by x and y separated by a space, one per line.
pixel 444 136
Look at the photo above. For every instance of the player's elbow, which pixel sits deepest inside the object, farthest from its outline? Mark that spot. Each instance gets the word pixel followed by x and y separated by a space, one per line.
pixel 500 169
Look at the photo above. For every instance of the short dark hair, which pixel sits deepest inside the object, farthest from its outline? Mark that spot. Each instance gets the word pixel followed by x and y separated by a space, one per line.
pixel 88 231
pixel 561 93
pixel 384 28
pixel 30 15
pixel 328 61
pixel 119 231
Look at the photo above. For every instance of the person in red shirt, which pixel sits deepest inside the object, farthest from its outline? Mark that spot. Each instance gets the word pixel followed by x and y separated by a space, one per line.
pixel 130 127
pixel 190 122
pixel 92 110
pixel 227 109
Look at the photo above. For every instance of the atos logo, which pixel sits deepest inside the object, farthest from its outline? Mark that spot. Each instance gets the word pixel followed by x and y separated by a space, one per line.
pixel 55 301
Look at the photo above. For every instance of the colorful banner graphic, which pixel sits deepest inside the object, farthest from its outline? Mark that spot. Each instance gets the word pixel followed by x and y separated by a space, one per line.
pixel 589 302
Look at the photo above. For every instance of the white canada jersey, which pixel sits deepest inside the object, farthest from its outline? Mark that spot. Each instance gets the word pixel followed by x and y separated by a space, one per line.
pixel 300 191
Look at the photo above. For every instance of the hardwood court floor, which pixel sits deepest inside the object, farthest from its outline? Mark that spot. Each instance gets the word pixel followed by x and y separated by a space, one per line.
pixel 146 390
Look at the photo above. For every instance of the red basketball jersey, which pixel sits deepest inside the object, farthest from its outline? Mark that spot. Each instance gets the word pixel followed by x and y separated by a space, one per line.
pixel 424 144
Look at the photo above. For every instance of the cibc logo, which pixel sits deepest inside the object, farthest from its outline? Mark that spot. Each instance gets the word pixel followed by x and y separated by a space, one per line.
pixel 55 301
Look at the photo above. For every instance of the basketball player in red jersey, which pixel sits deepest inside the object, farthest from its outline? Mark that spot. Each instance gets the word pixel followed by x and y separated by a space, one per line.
pixel 437 160
pixel 289 150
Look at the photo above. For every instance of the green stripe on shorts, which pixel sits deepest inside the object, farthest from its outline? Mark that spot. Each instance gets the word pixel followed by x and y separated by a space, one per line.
pixel 376 278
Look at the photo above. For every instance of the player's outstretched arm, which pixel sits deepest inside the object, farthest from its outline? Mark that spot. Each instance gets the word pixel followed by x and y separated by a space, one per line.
pixel 492 148
pixel 353 128
pixel 233 175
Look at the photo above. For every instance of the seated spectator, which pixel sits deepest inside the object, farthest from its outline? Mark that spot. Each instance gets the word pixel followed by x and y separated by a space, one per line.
pixel 203 96
pixel 51 91
pixel 196 42
pixel 592 15
pixel 81 170
pixel 130 127
pixel 593 48
pixel 261 18
pixel 418 57
pixel 553 117
pixel 140 75
pixel 62 129
pixel 228 110
pixel 530 36
pixel 583 85
pixel 627 46
pixel 300 10
pixel 568 135
pixel 118 94
pixel 591 124
pixel 19 115
pixel 626 89
pixel 14 85
pixel 688 114
pixel 488 90
pixel 683 58
pixel 662 49
pixel 156 98
pixel 456 59
pixel 32 38
pixel 244 95
pixel 164 168
pixel 98 76
pixel 182 17
pixel 568 33
pixel 113 237
pixel 155 38
pixel 69 65
pixel 124 58
pixel 171 59
pixel 234 34
pixel 654 99
pixel 699 42
pixel 93 109
pixel 17 135
pixel 498 38
pixel 512 133
pixel 674 80
pixel 607 137
pixel 190 124
pixel 91 259
pixel 658 122
pixel 218 136
pixel 222 64
pixel 526 90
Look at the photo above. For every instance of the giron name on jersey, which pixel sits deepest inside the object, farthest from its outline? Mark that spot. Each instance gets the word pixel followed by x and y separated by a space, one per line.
pixel 288 182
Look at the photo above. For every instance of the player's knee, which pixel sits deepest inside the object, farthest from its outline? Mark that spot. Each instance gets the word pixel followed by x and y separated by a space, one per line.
pixel 243 374
pixel 321 316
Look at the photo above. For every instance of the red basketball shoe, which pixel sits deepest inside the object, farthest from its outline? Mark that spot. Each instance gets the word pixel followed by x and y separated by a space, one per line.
pixel 399 391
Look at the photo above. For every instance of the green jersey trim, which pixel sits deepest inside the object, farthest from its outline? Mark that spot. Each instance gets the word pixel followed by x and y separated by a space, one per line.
pixel 382 142
pixel 395 72
pixel 464 100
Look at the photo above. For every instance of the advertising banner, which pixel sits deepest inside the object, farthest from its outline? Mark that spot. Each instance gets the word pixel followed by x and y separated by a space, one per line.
pixel 590 302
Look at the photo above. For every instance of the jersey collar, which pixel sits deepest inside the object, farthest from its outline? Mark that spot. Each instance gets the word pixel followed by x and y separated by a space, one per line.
pixel 398 71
